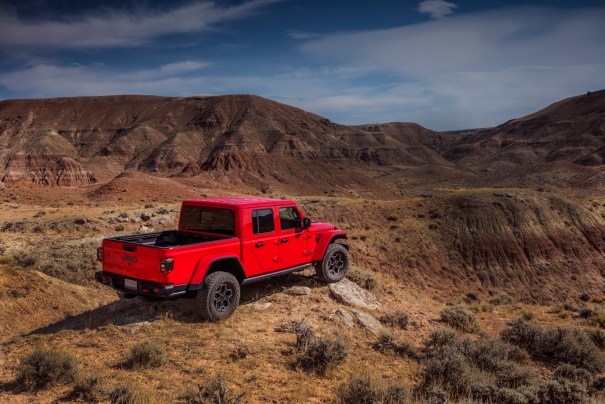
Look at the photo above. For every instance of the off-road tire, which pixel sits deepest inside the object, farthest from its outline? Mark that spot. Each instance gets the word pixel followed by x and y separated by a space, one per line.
pixel 219 296
pixel 334 265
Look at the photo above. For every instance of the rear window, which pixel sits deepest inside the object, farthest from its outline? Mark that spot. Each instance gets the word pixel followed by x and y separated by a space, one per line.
pixel 262 221
pixel 210 220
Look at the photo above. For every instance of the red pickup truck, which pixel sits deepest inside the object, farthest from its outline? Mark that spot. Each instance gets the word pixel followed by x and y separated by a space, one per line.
pixel 220 244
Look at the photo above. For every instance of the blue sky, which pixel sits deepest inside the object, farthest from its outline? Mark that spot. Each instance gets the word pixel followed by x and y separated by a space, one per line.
pixel 444 64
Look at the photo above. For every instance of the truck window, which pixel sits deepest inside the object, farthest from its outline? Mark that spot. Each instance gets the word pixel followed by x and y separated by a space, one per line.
pixel 262 221
pixel 210 220
pixel 289 218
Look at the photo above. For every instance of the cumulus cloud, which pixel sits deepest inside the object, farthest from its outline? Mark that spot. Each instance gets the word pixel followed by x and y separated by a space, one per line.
pixel 110 28
pixel 436 8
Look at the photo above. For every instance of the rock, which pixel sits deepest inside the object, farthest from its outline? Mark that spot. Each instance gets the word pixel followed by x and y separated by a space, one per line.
pixel 145 216
pixel 145 229
pixel 369 322
pixel 163 221
pixel 349 293
pixel 298 290
pixel 122 219
pixel 136 220
pixel 346 318
pixel 123 215
pixel 80 221
pixel 261 306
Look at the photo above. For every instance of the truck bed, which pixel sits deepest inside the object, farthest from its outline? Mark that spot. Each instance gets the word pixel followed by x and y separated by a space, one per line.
pixel 167 239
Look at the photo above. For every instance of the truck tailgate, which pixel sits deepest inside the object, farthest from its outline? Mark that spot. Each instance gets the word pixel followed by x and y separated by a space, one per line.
pixel 134 261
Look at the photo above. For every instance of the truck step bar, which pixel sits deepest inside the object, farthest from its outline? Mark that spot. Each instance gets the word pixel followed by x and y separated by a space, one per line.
pixel 263 277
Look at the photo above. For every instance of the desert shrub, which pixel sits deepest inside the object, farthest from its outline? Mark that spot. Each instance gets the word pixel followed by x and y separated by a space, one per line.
pixel 362 278
pixel 214 391
pixel 45 367
pixel 560 345
pixel 573 374
pixel 509 396
pixel 597 385
pixel 385 343
pixel 4 260
pixel 396 319
pixel 365 390
pixel 148 354
pixel 586 313
pixel 304 334
pixel 561 391
pixel 25 260
pixel 393 218
pixel 493 355
pixel 527 314
pixel 448 368
pixel 90 388
pixel 122 394
pixel 459 317
pixel 512 375
pixel 481 307
pixel 501 298
pixel 322 354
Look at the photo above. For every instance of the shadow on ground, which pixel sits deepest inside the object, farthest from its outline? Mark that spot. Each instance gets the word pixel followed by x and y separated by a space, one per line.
pixel 139 310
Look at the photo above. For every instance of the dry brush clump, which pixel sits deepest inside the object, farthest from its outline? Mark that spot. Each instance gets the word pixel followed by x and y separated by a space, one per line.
pixel 91 388
pixel 386 343
pixel 362 278
pixel 148 354
pixel 214 391
pixel 398 319
pixel 557 344
pixel 365 390
pixel 459 317
pixel 45 367
pixel 317 354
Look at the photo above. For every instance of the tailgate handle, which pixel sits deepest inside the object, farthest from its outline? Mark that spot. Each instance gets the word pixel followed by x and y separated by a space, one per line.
pixel 259 245
pixel 130 248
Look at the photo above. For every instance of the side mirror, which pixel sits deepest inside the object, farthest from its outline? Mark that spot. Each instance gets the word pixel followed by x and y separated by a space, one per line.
pixel 306 223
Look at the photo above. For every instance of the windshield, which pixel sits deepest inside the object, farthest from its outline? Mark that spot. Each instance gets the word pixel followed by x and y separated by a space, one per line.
pixel 210 220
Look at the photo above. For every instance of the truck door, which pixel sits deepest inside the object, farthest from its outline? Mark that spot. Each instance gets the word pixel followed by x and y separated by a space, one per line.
pixel 263 244
pixel 293 239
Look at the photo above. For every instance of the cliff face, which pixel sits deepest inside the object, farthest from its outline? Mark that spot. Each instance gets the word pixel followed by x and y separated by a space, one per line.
pixel 182 136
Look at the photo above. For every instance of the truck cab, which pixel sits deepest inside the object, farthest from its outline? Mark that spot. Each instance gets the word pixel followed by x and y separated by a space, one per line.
pixel 220 244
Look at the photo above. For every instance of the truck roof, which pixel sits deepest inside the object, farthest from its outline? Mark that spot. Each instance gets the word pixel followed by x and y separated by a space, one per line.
pixel 240 201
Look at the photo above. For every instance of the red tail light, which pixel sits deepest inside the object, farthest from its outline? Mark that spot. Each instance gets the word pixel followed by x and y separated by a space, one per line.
pixel 100 254
pixel 166 264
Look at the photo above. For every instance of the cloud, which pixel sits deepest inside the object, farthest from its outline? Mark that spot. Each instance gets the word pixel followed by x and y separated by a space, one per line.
pixel 183 66
pixel 301 35
pixel 478 69
pixel 436 8
pixel 110 28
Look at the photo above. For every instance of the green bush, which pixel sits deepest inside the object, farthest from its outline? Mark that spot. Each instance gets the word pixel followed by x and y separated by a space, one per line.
pixel 148 354
pixel 45 367
pixel 459 317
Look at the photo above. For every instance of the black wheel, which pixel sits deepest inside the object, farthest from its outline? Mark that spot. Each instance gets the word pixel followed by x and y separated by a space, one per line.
pixel 334 265
pixel 219 296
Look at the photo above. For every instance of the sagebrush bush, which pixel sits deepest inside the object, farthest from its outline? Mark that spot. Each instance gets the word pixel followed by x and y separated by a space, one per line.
pixel 573 374
pixel 214 391
pixel 501 298
pixel 395 319
pixel 561 391
pixel 385 343
pixel 44 367
pixel 91 388
pixel 459 317
pixel 447 368
pixel 322 354
pixel 148 354
pixel 362 278
pixel 365 390
pixel 122 394
pixel 561 345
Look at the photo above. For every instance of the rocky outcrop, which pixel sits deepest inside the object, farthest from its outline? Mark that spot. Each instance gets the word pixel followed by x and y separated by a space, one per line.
pixel 47 170
pixel 349 293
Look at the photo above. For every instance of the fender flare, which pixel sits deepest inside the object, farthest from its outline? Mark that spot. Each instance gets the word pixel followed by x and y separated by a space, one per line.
pixel 204 268
pixel 325 240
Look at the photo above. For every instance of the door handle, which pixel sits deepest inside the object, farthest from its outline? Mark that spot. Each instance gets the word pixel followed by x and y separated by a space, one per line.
pixel 284 240
pixel 259 245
